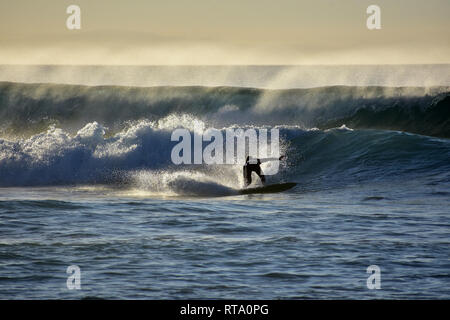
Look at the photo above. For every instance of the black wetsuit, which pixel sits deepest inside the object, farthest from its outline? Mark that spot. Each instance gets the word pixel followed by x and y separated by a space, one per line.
pixel 253 167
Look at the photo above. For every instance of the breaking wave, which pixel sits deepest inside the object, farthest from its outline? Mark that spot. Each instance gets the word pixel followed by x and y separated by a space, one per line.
pixel 121 136
pixel 139 156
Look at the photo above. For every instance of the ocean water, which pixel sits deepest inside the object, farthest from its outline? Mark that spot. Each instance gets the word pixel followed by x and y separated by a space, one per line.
pixel 86 179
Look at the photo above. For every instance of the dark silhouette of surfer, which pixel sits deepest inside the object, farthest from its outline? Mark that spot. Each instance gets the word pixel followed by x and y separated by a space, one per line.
pixel 254 165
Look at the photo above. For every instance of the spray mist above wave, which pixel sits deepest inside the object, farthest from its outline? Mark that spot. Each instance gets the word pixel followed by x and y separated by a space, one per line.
pixel 268 77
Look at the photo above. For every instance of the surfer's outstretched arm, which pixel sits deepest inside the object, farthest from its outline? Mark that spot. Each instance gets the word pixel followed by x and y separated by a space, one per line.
pixel 270 159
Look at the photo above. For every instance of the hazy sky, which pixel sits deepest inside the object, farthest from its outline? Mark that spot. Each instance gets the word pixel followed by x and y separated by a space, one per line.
pixel 224 32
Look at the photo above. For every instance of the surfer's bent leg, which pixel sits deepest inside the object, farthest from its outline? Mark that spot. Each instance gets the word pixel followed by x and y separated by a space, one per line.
pixel 247 176
pixel 260 174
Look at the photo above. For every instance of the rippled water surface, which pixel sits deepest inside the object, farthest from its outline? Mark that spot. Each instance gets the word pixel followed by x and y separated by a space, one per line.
pixel 303 243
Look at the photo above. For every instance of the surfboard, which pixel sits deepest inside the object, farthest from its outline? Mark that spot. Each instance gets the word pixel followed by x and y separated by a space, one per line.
pixel 271 188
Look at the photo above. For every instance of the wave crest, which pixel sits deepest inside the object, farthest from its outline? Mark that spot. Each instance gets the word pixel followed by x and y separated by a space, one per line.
pixel 27 109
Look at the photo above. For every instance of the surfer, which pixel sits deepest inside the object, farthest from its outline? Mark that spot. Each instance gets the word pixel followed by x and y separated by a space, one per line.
pixel 254 165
